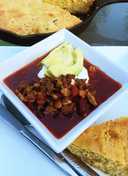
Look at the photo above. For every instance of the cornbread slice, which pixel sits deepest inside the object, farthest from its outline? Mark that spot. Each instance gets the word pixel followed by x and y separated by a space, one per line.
pixel 105 147
pixel 29 17
pixel 73 6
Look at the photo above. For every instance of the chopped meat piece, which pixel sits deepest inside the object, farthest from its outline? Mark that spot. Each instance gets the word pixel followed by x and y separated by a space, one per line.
pixel 51 95
pixel 50 109
pixel 75 90
pixel 82 93
pixel 91 99
pixel 66 101
pixel 54 96
pixel 65 92
pixel 59 83
pixel 58 104
pixel 21 96
pixel 68 108
pixel 81 84
pixel 82 106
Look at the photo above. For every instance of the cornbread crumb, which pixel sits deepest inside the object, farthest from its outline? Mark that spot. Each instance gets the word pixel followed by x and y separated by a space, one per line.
pixel 105 147
pixel 26 17
pixel 73 6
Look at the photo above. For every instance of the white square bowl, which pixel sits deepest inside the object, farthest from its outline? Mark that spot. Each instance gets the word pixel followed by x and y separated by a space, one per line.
pixel 30 54
pixel 119 109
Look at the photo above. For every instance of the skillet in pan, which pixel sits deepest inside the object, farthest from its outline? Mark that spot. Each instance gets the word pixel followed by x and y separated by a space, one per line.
pixel 27 40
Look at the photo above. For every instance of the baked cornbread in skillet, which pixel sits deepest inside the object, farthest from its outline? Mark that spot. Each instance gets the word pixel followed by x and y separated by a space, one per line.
pixel 73 6
pixel 105 147
pixel 27 17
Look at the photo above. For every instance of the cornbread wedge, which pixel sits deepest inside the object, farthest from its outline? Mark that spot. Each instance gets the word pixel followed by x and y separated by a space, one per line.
pixel 105 147
pixel 73 6
pixel 26 17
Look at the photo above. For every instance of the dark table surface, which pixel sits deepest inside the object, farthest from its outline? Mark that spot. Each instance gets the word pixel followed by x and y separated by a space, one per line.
pixel 109 27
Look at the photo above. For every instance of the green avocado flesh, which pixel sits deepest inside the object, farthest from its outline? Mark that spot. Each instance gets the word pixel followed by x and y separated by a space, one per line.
pixel 63 60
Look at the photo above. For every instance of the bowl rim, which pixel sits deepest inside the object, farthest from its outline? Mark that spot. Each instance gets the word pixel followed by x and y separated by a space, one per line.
pixel 31 53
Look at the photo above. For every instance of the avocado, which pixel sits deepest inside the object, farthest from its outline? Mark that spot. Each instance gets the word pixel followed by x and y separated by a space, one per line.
pixel 63 60
pixel 60 55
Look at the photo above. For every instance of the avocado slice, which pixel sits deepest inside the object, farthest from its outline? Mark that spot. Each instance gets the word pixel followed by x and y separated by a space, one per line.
pixel 63 60
pixel 60 55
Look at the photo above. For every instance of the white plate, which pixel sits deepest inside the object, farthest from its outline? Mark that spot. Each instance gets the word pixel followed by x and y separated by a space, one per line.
pixel 118 109
pixel 32 53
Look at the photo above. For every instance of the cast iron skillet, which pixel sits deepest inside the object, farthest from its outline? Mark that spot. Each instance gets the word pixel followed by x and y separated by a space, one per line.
pixel 28 40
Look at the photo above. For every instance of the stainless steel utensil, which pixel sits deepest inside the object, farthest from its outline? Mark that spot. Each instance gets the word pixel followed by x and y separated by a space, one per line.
pixel 65 157
pixel 57 159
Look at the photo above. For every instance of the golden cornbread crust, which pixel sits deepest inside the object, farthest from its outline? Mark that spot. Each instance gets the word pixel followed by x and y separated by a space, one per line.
pixel 26 17
pixel 73 6
pixel 105 147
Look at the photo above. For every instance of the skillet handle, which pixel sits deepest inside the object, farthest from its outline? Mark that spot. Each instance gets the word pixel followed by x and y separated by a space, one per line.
pixel 101 3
